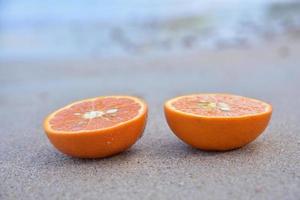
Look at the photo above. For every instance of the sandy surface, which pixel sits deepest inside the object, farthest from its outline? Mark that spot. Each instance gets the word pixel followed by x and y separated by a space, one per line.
pixel 158 166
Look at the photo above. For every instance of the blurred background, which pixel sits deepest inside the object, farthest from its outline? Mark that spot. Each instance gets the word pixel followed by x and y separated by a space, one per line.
pixel 92 29
pixel 56 52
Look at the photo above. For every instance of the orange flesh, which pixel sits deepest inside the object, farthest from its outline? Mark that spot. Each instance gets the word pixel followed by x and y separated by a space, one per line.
pixel 219 105
pixel 95 114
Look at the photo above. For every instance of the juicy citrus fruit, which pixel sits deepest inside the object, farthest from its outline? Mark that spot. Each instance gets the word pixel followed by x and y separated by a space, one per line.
pixel 217 121
pixel 97 127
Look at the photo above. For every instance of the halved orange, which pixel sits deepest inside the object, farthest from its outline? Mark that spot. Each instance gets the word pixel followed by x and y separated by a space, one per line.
pixel 217 121
pixel 97 127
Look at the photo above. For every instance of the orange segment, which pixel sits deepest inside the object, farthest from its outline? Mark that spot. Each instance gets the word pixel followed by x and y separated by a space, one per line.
pixel 217 121
pixel 109 124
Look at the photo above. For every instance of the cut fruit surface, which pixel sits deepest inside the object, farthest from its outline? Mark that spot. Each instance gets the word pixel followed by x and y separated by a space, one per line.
pixel 219 105
pixel 217 121
pixel 109 124
pixel 95 114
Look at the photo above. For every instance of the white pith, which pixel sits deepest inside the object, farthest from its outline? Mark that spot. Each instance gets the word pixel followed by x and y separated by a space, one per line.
pixel 98 113
pixel 93 114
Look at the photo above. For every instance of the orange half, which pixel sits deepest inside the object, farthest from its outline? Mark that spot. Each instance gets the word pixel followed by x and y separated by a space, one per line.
pixel 97 127
pixel 217 121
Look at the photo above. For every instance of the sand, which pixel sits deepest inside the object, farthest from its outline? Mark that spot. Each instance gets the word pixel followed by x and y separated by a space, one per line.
pixel 158 166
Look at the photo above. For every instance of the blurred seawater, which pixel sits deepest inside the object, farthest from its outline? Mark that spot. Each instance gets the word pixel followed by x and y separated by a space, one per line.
pixel 82 29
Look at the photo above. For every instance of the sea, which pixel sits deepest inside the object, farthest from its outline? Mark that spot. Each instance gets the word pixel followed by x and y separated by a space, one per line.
pixel 50 29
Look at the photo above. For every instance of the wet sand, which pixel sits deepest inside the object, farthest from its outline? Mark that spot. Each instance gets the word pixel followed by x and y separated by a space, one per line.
pixel 158 166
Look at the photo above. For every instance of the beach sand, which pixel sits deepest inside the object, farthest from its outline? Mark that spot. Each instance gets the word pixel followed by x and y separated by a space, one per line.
pixel 158 166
